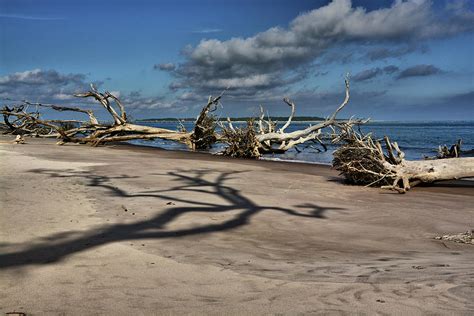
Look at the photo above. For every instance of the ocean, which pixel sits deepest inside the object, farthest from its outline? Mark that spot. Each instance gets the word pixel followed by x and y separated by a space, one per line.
pixel 417 139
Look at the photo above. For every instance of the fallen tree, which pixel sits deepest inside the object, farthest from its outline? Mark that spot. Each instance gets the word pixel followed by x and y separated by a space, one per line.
pixel 21 122
pixel 279 140
pixel 266 137
pixel 369 162
pixel 250 142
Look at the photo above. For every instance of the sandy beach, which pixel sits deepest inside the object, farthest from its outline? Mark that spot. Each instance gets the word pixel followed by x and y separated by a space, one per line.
pixel 127 230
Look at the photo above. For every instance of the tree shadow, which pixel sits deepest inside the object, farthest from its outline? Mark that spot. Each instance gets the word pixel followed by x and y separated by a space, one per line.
pixel 57 246
pixel 461 183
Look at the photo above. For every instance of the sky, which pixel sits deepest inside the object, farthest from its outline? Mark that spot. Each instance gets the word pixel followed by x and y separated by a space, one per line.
pixel 406 60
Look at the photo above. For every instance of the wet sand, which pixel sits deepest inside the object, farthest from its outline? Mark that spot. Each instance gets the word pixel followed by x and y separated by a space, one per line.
pixel 128 230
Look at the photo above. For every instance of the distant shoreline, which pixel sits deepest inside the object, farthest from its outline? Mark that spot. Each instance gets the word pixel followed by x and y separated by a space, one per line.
pixel 235 119
pixel 301 119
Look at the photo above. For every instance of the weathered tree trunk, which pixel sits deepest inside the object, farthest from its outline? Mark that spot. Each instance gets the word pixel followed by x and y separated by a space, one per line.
pixel 428 171
pixel 363 161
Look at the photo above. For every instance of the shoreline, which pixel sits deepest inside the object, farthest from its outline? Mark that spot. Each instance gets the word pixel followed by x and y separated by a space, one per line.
pixel 224 157
pixel 135 229
pixel 465 182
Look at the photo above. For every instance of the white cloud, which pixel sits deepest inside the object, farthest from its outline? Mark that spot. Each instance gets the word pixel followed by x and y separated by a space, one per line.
pixel 267 58
pixel 44 85
pixel 63 96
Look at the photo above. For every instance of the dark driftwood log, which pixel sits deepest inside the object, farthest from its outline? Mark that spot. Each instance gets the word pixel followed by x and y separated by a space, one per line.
pixel 204 132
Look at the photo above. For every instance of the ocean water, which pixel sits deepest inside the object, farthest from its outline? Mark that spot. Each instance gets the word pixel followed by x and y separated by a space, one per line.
pixel 416 139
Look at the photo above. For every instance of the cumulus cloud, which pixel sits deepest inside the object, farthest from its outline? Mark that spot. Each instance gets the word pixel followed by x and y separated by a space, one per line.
pixel 190 96
pixel 51 86
pixel 419 71
pixel 44 85
pixel 269 59
pixel 40 77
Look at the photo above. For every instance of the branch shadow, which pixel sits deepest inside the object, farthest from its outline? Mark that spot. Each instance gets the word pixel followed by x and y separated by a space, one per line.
pixel 461 183
pixel 58 246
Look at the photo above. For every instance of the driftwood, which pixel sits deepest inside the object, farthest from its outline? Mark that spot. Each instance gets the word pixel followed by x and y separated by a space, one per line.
pixel 21 122
pixel 463 238
pixel 359 158
pixel 268 138
pixel 282 141
pixel 19 139
pixel 17 122
pixel 241 142
pixel 369 162
pixel 453 152
pixel 249 142
pixel 204 133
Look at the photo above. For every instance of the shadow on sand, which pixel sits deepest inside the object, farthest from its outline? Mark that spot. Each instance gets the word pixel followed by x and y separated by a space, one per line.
pixel 56 247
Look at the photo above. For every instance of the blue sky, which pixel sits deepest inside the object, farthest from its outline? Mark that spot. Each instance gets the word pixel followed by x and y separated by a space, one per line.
pixel 407 59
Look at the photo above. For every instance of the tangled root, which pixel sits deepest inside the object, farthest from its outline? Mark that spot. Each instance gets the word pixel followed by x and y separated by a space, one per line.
pixel 353 161
pixel 241 142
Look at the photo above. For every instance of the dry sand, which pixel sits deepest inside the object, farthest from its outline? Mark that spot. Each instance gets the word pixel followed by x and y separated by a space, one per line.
pixel 135 231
